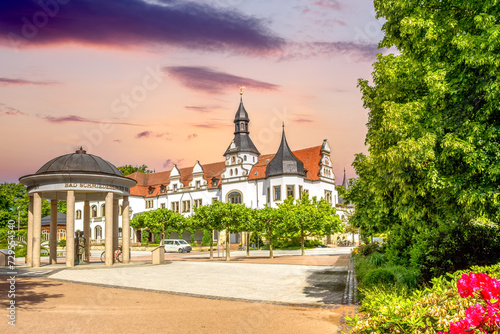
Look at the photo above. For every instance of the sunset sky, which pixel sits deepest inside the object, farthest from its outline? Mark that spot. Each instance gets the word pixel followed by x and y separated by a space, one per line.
pixel 156 82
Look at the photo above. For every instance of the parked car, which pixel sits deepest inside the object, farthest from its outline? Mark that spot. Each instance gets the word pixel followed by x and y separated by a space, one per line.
pixel 176 245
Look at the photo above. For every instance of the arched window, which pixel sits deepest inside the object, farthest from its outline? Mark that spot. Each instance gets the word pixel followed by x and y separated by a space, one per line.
pixel 245 157
pixel 233 160
pixel 78 214
pixel 236 171
pixel 103 210
pixel 61 234
pixel 234 197
pixel 94 211
pixel 98 232
pixel 231 172
pixel 120 209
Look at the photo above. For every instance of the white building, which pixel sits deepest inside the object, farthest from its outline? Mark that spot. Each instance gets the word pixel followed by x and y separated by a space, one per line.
pixel 245 176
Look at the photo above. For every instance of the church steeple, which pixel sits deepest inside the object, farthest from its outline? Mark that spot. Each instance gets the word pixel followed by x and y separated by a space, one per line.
pixel 284 162
pixel 241 141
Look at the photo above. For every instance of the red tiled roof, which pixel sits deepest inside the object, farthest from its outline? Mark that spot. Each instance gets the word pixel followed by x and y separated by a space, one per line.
pixel 311 158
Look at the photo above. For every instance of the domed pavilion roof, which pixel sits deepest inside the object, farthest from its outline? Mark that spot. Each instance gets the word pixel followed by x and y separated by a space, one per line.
pixel 79 162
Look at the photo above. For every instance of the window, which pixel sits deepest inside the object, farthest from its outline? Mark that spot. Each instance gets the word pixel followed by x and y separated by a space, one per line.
pixel 215 181
pixel 306 191
pixel 328 196
pixel 163 188
pixel 175 206
pixel 290 191
pixel 175 187
pixel 120 232
pixel 151 190
pixel 149 204
pixel 198 184
pixel 61 234
pixel 197 203
pixel 162 205
pixel 236 171
pixel 214 199
pixel 300 192
pixel 245 158
pixel 78 214
pixel 94 211
pixel 98 232
pixel 231 172
pixel 120 210
pixel 277 193
pixel 103 210
pixel 234 197
pixel 186 206
pixel 233 160
pixel 268 194
pixel 45 234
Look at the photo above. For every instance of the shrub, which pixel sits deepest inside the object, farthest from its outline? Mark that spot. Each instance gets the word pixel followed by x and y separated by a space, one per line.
pixel 379 277
pixel 378 259
pixel 430 310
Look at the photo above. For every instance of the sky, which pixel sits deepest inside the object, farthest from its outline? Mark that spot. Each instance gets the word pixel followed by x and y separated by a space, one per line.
pixel 157 82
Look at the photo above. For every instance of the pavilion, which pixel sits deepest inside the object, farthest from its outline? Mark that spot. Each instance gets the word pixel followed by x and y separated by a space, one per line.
pixel 77 177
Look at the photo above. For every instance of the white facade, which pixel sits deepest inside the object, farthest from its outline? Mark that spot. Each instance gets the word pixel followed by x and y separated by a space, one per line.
pixel 241 178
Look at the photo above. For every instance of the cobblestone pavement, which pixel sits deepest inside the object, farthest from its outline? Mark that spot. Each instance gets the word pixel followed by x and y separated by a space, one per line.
pixel 274 283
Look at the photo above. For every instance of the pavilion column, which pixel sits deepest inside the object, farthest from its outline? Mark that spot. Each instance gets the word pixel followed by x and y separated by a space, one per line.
pixel 53 232
pixel 86 229
pixel 37 228
pixel 115 224
pixel 29 240
pixel 125 230
pixel 70 229
pixel 109 228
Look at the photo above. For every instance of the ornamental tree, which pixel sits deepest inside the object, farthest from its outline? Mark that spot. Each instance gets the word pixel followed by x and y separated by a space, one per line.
pixel 270 221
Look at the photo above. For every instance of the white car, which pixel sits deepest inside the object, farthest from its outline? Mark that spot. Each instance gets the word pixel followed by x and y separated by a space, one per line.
pixel 176 245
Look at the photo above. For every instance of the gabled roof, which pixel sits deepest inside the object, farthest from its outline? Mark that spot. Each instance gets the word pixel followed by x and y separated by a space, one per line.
pixel 284 162
pixel 310 158
pixel 144 181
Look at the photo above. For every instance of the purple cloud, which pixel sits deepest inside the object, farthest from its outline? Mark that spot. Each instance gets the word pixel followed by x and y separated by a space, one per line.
pixel 330 4
pixel 201 109
pixel 302 118
pixel 169 163
pixel 9 111
pixel 147 134
pixel 214 82
pixel 210 125
pixel 356 51
pixel 8 81
pixel 192 136
pixel 127 23
pixel 75 118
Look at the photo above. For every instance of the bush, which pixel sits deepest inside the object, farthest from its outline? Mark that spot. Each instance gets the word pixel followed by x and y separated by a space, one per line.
pixel 379 277
pixel 430 310
pixel 62 243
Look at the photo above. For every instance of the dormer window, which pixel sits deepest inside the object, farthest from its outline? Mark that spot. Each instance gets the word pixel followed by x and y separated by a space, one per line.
pixel 198 184
pixel 163 188
pixel 175 187
pixel 215 181
pixel 245 157
pixel 151 189
pixel 233 160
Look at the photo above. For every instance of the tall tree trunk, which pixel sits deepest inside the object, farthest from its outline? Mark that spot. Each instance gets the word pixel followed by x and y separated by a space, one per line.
pixel 211 244
pixel 271 255
pixel 227 243
pixel 247 237
pixel 302 239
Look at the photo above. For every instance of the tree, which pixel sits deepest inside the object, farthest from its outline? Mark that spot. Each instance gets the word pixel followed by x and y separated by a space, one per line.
pixel 207 219
pixel 14 201
pixel 308 217
pixel 433 129
pixel 270 221
pixel 159 222
pixel 129 169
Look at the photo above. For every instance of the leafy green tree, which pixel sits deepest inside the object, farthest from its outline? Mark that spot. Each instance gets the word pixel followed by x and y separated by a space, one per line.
pixel 433 130
pixel 159 222
pixel 14 201
pixel 270 221
pixel 308 217
pixel 206 218
pixel 129 169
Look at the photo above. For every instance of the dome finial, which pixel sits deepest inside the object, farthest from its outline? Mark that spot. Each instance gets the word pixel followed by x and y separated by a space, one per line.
pixel 241 90
pixel 81 151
